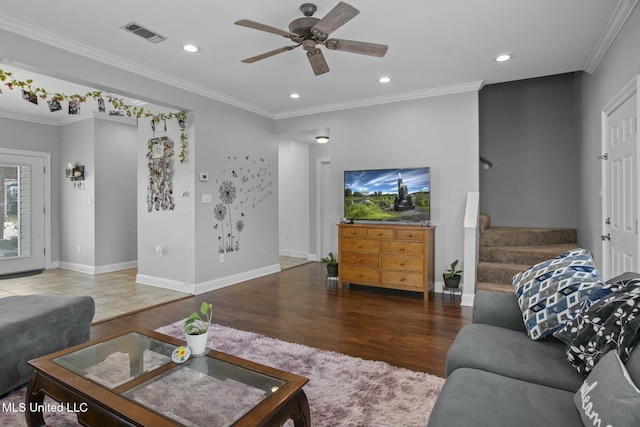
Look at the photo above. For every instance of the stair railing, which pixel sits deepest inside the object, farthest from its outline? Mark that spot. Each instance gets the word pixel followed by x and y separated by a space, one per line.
pixel 486 163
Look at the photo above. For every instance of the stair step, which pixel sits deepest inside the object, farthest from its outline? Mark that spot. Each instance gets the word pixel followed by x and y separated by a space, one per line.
pixel 498 272
pixel 526 236
pixel 494 287
pixel 524 255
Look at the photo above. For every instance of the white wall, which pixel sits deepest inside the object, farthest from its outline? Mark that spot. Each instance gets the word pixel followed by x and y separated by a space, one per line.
pixel 115 193
pixel 77 213
pixel 618 67
pixel 440 132
pixel 293 195
pixel 220 138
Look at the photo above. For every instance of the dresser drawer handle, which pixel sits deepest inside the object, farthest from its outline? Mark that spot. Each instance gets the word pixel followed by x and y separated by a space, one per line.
pixel 402 279
pixel 379 233
pixel 402 263
pixel 359 259
pixel 353 232
pixel 359 274
pixel 402 249
pixel 409 235
pixel 359 245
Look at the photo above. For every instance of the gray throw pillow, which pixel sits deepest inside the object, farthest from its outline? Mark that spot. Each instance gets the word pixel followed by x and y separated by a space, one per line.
pixel 608 396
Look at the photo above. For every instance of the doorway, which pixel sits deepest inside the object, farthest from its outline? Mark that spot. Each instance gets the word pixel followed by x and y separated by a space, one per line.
pixel 22 212
pixel 620 182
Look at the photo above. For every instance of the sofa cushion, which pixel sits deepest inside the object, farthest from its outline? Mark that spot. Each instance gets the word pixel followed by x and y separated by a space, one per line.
pixel 472 397
pixel 608 397
pixel 610 323
pixel 551 291
pixel 512 354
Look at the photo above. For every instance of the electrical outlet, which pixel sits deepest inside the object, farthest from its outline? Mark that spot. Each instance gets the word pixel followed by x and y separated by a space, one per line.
pixel 159 250
pixel 221 258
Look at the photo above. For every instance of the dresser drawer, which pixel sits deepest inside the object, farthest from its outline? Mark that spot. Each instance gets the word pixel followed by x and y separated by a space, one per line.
pixel 360 260
pixel 402 248
pixel 403 280
pixel 402 262
pixel 359 275
pixel 413 235
pixel 380 233
pixel 361 246
pixel 346 231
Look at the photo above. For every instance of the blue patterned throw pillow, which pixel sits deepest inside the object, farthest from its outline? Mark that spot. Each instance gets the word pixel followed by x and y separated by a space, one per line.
pixel 549 293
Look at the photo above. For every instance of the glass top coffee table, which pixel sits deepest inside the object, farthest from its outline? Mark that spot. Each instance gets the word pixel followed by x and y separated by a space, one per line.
pixel 129 379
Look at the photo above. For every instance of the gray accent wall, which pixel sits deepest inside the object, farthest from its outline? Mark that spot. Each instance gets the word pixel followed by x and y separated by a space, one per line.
pixel 529 130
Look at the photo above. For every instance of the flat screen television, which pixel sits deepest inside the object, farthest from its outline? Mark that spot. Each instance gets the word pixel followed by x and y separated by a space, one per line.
pixel 388 194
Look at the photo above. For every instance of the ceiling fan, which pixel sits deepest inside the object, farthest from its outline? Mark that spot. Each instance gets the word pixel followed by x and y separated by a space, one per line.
pixel 309 32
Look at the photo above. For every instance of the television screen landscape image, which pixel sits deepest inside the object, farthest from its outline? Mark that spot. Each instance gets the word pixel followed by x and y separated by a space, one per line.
pixel 388 194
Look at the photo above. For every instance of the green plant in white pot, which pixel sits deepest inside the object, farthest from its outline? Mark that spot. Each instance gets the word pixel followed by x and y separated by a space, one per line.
pixel 196 328
pixel 452 276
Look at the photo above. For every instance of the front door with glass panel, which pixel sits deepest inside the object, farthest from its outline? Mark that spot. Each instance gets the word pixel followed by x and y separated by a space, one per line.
pixel 21 213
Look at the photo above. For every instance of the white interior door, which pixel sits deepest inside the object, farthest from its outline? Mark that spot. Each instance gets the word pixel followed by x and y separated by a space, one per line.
pixel 621 185
pixel 21 213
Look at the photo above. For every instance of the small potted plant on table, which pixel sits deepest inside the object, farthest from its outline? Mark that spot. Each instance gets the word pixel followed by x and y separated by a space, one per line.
pixel 332 264
pixel 196 328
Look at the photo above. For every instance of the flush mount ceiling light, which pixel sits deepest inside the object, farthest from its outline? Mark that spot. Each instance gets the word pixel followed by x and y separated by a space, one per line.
pixel 190 48
pixel 294 95
pixel 503 58
pixel 322 139
pixel 384 79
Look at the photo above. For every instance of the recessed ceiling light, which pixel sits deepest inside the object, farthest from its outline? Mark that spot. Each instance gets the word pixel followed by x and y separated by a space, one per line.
pixel 503 58
pixel 190 48
pixel 384 79
pixel 294 95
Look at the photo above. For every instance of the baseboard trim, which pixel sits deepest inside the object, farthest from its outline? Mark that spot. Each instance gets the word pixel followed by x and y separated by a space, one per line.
pixel 89 269
pixel 210 285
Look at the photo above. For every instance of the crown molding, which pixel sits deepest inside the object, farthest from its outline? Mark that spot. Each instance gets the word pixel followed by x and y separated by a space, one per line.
pixel 26 118
pixel 367 102
pixel 620 16
pixel 40 35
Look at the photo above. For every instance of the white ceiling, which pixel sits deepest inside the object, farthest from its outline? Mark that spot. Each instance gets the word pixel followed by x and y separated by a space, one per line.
pixel 433 44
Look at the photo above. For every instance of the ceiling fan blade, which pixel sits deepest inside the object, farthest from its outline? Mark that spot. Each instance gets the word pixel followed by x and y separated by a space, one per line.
pixel 269 29
pixel 336 18
pixel 318 63
pixel 268 54
pixel 363 48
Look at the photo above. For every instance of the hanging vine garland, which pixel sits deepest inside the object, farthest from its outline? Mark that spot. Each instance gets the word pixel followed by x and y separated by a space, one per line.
pixel 31 93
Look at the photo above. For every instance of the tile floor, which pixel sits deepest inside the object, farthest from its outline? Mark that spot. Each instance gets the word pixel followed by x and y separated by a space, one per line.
pixel 114 293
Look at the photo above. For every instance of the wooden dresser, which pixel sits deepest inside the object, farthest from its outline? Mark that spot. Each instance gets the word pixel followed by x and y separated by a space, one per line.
pixel 387 256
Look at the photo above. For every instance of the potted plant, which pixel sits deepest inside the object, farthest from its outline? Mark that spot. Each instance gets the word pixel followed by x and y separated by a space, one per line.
pixel 196 328
pixel 452 276
pixel 332 264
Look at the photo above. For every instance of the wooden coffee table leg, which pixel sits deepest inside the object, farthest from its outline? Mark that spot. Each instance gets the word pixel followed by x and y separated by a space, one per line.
pixel 304 416
pixel 34 399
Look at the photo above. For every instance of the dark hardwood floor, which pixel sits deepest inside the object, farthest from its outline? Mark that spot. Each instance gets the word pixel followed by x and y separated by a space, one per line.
pixel 295 305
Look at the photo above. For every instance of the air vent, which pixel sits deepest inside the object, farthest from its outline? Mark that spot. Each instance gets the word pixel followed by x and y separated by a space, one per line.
pixel 145 33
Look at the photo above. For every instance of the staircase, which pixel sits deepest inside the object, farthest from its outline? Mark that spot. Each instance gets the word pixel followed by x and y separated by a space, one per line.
pixel 506 251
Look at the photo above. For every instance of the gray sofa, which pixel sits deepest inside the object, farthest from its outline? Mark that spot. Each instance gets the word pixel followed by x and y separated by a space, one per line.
pixel 35 325
pixel 498 376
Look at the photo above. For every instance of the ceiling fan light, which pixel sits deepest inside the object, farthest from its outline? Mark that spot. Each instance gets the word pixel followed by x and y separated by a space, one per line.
pixel 190 48
pixel 503 58
pixel 322 139
pixel 384 79
pixel 294 95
